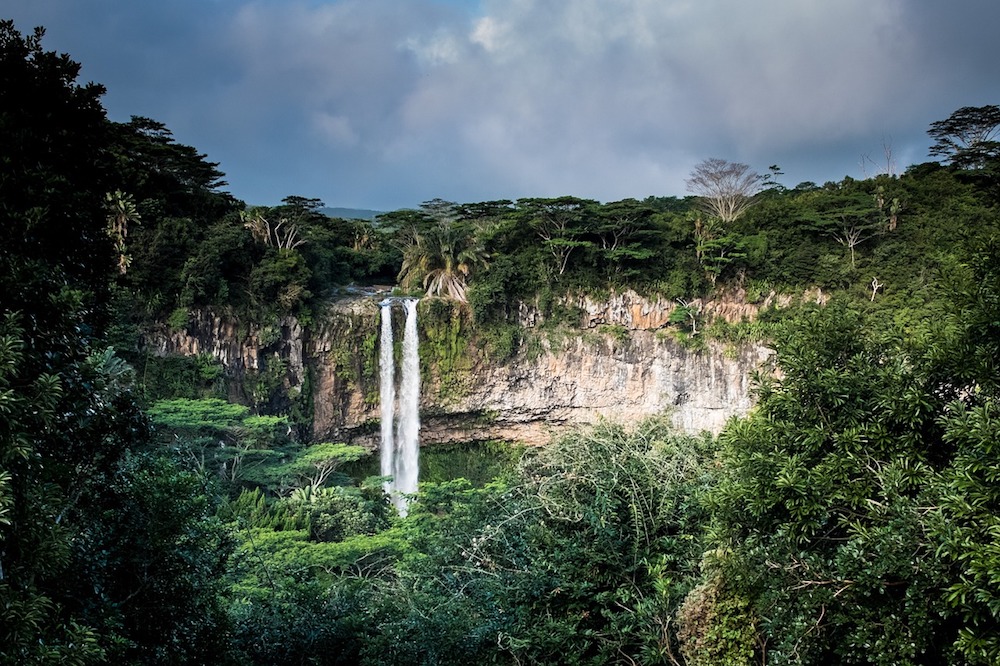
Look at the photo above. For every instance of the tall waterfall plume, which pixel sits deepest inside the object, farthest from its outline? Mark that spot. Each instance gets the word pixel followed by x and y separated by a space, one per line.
pixel 400 447
pixel 387 390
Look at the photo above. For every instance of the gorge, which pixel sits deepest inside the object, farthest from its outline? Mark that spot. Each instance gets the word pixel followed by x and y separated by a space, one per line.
pixel 619 363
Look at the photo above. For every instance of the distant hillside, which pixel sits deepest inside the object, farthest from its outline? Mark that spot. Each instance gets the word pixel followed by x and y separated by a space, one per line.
pixel 351 213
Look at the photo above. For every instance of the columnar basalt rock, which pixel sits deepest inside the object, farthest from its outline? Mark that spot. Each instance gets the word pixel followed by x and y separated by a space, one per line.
pixel 240 347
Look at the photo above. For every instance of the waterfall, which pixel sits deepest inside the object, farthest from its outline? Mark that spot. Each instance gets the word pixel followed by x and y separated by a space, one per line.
pixel 400 454
pixel 387 390
pixel 408 436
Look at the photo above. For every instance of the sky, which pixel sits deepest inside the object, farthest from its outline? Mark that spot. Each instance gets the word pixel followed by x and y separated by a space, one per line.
pixel 384 104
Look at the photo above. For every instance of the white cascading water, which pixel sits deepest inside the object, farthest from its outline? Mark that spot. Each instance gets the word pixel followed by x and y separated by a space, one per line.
pixel 400 454
pixel 408 435
pixel 387 390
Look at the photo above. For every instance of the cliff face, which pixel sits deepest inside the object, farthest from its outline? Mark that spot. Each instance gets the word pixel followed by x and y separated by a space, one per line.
pixel 618 365
pixel 585 378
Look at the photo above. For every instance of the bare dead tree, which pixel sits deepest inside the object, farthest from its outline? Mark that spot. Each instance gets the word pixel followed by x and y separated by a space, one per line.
pixel 284 235
pixel 886 168
pixel 852 234
pixel 727 189
pixel 876 286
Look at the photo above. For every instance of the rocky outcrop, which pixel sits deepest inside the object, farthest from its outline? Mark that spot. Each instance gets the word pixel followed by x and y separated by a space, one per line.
pixel 584 378
pixel 621 364
pixel 244 349
pixel 636 312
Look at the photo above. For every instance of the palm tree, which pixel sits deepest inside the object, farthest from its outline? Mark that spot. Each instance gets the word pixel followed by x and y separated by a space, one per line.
pixel 121 212
pixel 441 258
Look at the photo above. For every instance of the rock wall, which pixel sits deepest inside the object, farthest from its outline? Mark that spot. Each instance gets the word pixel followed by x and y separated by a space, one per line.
pixel 244 349
pixel 620 364
pixel 586 378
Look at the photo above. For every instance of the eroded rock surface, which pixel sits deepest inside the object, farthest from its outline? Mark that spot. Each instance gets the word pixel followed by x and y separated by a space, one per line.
pixel 624 373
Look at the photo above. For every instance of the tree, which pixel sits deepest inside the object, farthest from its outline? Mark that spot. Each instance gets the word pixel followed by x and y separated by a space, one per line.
pixel 312 466
pixel 561 223
pixel 282 234
pixel 176 192
pixel 967 138
pixel 726 189
pixel 440 251
pixel 623 230
pixel 67 413
pixel 55 169
pixel 583 559
pixel 686 313
pixel 849 218
pixel 823 504
pixel 715 247
pixel 56 263
pixel 121 213
pixel 155 560
pixel 601 548
pixel 967 516
pixel 300 215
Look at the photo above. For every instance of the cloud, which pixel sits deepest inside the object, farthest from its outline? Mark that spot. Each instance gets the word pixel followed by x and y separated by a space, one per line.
pixel 336 128
pixel 612 96
pixel 384 103
pixel 442 48
pixel 682 74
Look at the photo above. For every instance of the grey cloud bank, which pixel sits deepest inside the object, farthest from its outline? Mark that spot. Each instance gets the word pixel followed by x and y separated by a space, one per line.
pixel 384 104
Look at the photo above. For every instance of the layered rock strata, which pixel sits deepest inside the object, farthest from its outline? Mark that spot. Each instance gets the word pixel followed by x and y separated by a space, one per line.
pixel 621 364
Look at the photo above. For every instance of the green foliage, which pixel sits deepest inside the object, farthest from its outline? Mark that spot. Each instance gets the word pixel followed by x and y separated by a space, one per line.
pixel 66 414
pixel 612 554
pixel 965 522
pixel 440 252
pixel 222 438
pixel 175 190
pixel 741 334
pixel 967 525
pixel 852 517
pixel 717 626
pixel 339 513
pixel 106 554
pixel 191 377
pixel 369 366
pixel 583 557
pixel 312 466
pixel 287 607
pixel 967 138
pixel 502 341
pixel 618 332
pixel 264 386
pixel 178 319
pixel 280 278
pixel 446 348
pixel 477 462
pixel 156 558
pixel 209 416
pixel 297 623
pixel 822 495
